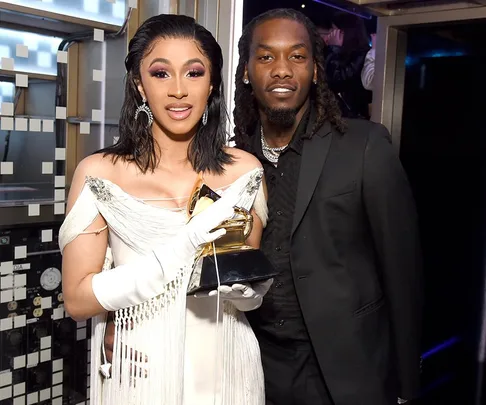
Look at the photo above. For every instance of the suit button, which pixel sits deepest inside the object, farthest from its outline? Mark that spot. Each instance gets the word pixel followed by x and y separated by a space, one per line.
pixel 278 284
pixel 279 212
pixel 278 248
pixel 280 323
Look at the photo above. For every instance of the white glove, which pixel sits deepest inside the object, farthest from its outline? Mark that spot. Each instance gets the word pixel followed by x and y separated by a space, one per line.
pixel 198 231
pixel 144 278
pixel 244 297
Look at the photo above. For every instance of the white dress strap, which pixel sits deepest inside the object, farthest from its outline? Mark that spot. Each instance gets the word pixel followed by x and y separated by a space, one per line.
pixel 260 205
pixel 252 195
pixel 81 216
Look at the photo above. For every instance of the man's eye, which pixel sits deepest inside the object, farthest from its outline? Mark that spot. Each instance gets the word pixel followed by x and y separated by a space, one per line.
pixel 265 57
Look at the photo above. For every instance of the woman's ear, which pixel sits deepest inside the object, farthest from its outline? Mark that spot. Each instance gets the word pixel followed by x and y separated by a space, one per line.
pixel 140 89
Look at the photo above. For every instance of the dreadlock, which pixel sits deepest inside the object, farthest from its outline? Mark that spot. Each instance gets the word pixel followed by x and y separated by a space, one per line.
pixel 245 114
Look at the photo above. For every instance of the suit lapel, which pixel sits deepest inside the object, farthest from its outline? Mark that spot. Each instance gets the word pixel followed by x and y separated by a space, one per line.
pixel 314 155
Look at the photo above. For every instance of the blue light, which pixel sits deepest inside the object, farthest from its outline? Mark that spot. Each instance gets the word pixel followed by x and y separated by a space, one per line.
pixel 444 345
pixel 437 383
pixel 444 53
pixel 414 59
pixel 410 60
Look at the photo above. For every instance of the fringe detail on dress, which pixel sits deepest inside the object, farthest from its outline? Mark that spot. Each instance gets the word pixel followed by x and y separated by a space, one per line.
pixel 148 352
pixel 243 382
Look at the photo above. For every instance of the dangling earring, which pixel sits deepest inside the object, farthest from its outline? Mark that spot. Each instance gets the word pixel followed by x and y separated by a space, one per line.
pixel 146 109
pixel 246 81
pixel 205 116
pixel 314 81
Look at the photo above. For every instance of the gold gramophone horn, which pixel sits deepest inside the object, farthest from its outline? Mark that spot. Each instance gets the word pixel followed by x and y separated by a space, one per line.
pixel 237 229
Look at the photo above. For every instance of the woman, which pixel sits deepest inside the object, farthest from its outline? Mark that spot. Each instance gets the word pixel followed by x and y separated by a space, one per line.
pixel 127 205
pixel 347 46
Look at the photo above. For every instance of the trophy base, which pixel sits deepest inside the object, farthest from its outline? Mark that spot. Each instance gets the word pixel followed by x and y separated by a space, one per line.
pixel 239 267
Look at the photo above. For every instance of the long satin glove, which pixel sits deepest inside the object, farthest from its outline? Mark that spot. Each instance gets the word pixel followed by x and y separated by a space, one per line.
pixel 146 277
pixel 244 297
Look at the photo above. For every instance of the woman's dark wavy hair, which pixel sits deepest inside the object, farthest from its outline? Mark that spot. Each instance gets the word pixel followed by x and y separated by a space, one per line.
pixel 355 36
pixel 246 113
pixel 136 143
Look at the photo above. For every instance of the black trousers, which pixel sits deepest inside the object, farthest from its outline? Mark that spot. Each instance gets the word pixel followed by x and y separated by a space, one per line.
pixel 292 375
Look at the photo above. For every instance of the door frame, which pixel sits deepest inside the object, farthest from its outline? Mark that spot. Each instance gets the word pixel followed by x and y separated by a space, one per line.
pixel 391 51
pixel 224 19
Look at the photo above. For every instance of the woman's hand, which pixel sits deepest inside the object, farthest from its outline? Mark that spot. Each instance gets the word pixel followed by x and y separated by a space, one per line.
pixel 245 297
pixel 335 37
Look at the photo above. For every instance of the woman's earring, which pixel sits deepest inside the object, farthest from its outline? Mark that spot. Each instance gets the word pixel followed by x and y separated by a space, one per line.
pixel 246 81
pixel 205 116
pixel 314 81
pixel 146 109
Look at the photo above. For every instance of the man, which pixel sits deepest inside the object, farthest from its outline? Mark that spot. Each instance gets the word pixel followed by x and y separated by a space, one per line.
pixel 341 323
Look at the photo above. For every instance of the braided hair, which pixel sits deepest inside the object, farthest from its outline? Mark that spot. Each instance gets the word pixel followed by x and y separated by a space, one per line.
pixel 245 114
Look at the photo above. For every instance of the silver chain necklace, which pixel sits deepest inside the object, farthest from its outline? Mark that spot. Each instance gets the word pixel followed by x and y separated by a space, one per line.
pixel 272 154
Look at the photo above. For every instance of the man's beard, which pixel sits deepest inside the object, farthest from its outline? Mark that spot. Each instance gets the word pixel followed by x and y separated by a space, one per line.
pixel 283 117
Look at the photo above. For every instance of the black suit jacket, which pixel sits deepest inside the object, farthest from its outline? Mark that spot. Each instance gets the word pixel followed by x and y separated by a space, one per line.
pixel 356 264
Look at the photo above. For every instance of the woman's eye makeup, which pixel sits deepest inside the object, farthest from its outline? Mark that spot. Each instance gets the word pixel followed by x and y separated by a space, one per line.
pixel 196 71
pixel 158 71
pixel 162 73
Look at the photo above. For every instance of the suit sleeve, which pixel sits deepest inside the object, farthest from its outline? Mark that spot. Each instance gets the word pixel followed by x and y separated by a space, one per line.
pixel 393 220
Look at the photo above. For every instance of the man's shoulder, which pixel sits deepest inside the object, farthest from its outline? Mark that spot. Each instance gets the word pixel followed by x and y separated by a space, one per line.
pixel 359 130
pixel 359 135
pixel 362 127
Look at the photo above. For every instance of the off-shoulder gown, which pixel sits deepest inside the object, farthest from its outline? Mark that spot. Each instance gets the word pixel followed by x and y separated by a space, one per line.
pixel 173 349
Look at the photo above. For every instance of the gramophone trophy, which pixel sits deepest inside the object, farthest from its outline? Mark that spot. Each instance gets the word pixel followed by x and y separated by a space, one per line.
pixel 236 261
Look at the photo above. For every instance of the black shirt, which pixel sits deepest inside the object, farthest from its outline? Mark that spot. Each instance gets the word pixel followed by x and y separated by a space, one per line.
pixel 292 374
pixel 280 317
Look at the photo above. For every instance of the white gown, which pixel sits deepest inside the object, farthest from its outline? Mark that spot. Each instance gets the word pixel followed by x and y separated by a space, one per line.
pixel 188 357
